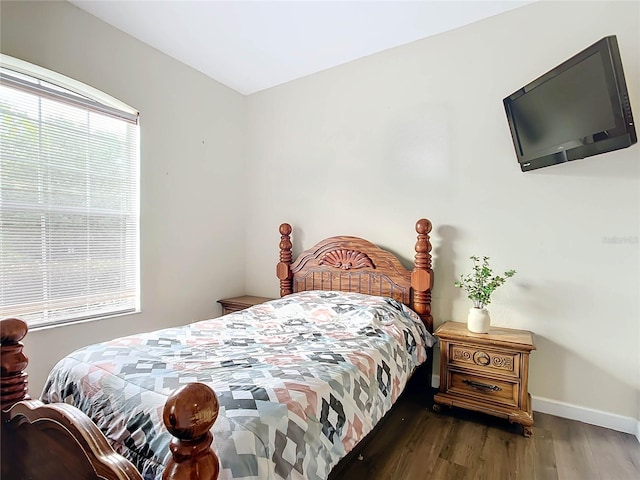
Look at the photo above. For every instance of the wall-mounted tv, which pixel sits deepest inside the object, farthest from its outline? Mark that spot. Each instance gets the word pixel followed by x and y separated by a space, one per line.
pixel 578 109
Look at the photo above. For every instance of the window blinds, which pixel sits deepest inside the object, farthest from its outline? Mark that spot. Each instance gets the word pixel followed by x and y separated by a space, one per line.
pixel 69 216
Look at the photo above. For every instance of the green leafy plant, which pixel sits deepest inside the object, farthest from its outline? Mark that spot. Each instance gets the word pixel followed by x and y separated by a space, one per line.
pixel 481 283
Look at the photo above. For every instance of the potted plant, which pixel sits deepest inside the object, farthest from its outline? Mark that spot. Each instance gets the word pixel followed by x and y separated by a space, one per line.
pixel 479 285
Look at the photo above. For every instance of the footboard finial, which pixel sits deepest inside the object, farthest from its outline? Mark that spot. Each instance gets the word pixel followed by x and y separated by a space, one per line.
pixel 189 414
pixel 13 379
pixel 283 269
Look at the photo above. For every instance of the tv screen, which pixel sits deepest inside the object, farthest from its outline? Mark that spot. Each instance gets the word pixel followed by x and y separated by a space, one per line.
pixel 578 109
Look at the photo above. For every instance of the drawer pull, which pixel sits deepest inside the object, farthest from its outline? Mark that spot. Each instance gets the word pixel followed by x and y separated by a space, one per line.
pixel 481 386
pixel 481 358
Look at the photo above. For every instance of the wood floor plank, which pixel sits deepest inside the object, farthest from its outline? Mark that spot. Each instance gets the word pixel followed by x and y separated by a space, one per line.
pixel 495 460
pixel 415 443
pixel 613 452
pixel 542 453
pixel 464 444
pixel 445 470
pixel 428 445
pixel 574 455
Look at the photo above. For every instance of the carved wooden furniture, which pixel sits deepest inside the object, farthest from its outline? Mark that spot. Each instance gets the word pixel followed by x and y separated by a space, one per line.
pixel 47 441
pixel 59 441
pixel 486 372
pixel 352 264
pixel 236 304
pixel 37 439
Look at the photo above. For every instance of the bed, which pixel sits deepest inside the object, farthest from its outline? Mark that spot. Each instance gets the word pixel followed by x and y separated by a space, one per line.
pixel 299 381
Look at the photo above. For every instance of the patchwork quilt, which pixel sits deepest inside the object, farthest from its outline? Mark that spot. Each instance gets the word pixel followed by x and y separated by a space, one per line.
pixel 300 381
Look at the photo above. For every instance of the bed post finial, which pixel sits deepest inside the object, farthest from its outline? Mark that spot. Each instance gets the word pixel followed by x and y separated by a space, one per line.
pixel 422 275
pixel 13 379
pixel 189 414
pixel 283 269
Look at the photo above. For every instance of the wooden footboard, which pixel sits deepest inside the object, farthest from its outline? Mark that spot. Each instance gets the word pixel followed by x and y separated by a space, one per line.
pixel 59 441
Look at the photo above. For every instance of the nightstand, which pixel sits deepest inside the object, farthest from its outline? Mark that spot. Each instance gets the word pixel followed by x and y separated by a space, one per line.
pixel 486 372
pixel 240 303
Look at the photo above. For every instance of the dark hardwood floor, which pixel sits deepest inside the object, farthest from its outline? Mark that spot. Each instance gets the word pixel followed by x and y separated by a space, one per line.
pixel 415 443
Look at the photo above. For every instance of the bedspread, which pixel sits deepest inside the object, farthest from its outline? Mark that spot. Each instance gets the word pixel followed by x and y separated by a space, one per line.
pixel 300 381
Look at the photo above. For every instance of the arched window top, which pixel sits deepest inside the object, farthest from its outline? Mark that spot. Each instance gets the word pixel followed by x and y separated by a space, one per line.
pixel 27 76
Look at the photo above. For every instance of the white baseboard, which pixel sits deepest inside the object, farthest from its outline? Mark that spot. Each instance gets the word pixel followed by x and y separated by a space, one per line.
pixel 587 415
pixel 574 412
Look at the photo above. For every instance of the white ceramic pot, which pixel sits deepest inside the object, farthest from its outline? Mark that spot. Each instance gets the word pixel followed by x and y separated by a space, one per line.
pixel 478 320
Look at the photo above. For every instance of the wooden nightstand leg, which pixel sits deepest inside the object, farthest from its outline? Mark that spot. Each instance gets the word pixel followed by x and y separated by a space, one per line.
pixel 527 431
pixel 439 404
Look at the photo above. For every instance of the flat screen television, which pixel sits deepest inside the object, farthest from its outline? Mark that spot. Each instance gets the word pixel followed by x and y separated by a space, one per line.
pixel 578 109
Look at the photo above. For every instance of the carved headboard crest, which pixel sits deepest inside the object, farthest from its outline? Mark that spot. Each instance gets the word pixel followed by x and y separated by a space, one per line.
pixel 346 259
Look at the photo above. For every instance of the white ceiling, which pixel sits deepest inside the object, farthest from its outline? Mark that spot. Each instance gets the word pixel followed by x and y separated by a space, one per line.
pixel 253 45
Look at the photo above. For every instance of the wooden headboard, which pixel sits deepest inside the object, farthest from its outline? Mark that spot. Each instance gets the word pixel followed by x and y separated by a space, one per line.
pixel 353 264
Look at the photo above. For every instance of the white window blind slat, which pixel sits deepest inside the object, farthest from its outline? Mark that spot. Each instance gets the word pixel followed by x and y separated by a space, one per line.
pixel 69 216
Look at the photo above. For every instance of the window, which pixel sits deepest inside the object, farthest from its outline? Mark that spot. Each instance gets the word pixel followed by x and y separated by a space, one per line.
pixel 69 215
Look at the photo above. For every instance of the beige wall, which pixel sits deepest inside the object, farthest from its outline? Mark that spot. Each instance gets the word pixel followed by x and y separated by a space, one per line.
pixel 369 147
pixel 366 149
pixel 192 130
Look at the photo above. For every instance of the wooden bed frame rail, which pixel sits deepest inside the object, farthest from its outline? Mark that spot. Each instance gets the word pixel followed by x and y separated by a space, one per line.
pixel 41 441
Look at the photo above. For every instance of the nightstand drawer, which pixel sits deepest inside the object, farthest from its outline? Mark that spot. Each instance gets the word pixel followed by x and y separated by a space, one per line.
pixel 481 359
pixel 485 389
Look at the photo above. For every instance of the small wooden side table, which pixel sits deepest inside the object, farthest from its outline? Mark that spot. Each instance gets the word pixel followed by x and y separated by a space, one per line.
pixel 486 372
pixel 240 303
